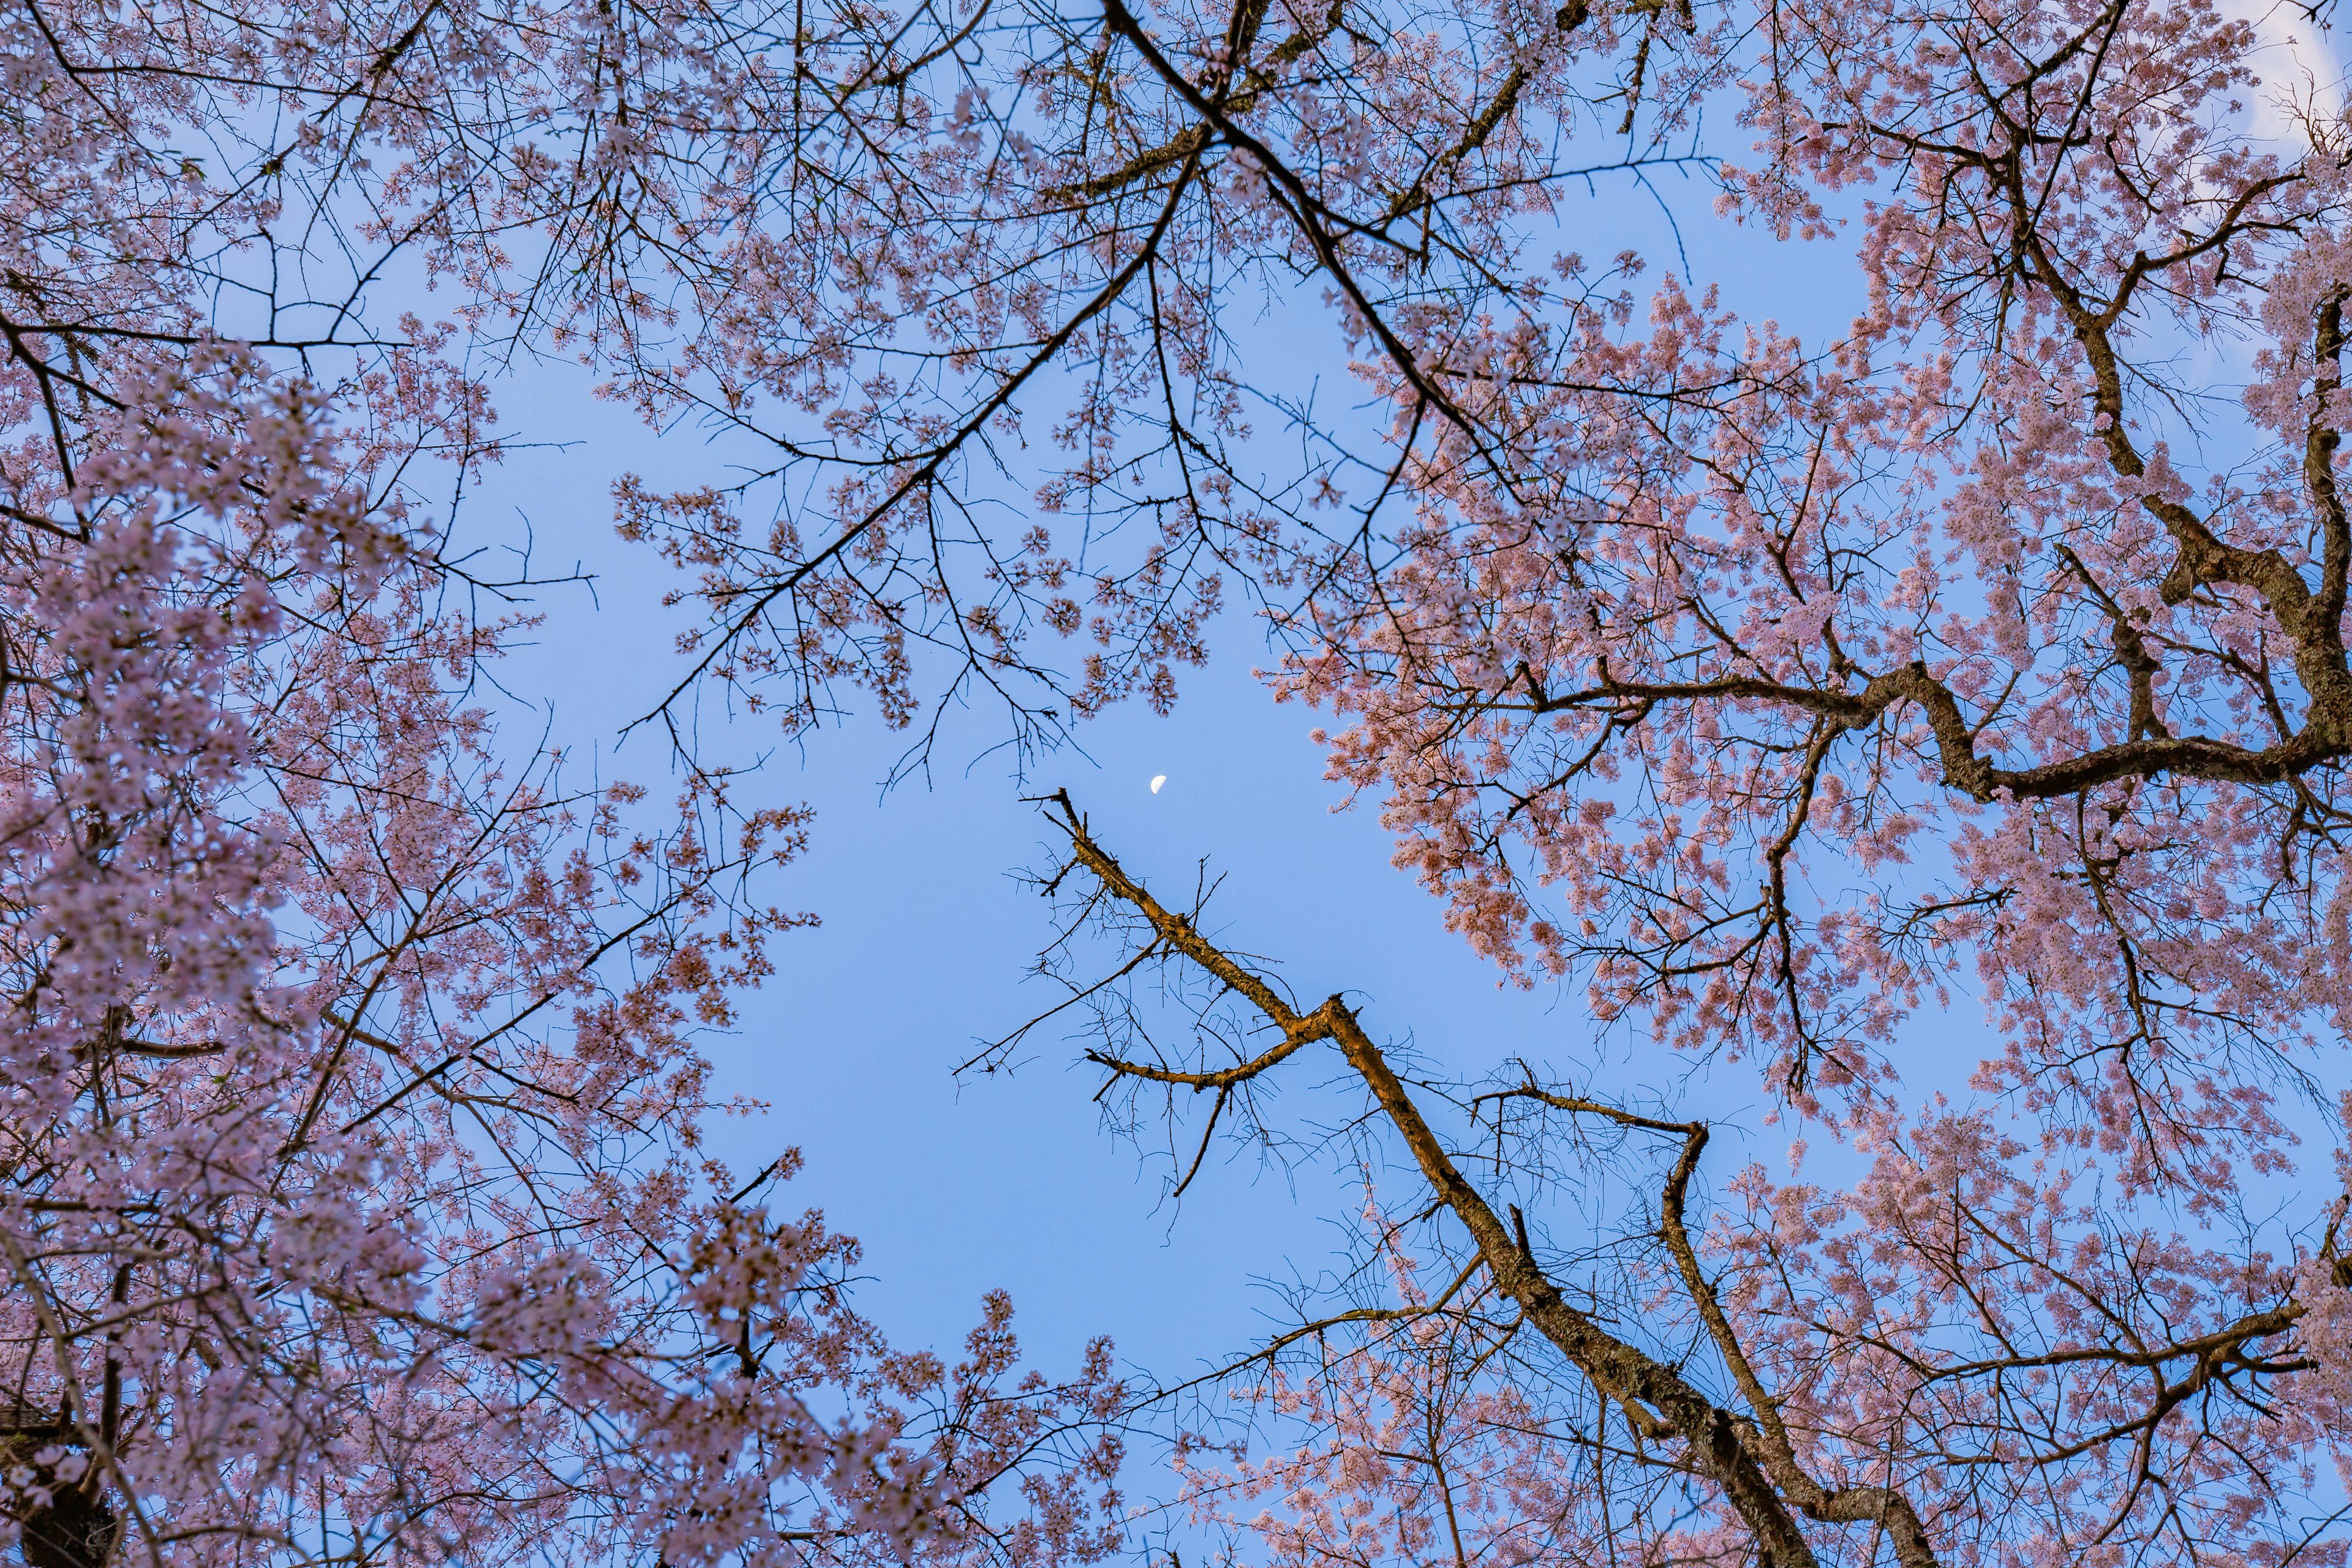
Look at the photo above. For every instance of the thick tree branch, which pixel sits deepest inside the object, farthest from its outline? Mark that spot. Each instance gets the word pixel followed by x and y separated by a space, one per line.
pixel 1646 1386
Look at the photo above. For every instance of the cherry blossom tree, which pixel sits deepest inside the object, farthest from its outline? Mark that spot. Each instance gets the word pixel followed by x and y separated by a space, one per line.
pixel 356 1207
pixel 1987 652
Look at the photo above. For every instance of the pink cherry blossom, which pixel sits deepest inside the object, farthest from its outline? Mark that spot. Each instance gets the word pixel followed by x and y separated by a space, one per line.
pixel 357 1203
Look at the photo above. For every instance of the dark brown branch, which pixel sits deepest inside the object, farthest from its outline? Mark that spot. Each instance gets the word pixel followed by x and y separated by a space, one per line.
pixel 2323 739
pixel 1656 1397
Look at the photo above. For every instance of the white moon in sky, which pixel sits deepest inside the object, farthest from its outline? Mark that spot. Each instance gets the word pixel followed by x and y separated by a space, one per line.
pixel 1157 780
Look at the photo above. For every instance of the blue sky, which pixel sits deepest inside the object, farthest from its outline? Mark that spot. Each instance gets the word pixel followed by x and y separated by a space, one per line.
pixel 927 934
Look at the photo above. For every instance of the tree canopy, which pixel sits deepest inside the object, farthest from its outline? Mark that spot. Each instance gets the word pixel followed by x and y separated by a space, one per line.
pixel 1777 695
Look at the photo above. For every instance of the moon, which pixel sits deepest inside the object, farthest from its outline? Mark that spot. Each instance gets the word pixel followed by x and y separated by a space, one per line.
pixel 1157 780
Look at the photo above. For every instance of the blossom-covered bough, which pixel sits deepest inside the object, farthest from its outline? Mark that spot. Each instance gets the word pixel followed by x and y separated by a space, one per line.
pixel 1946 1363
